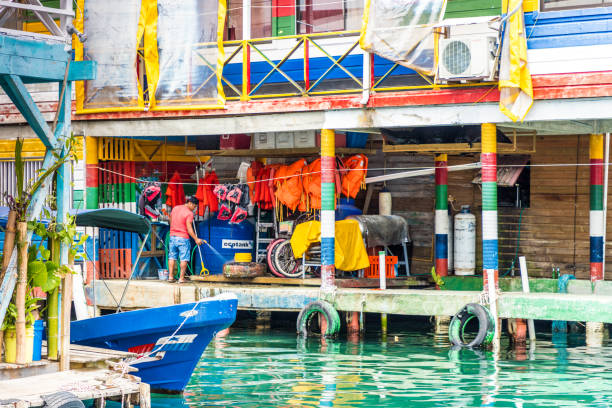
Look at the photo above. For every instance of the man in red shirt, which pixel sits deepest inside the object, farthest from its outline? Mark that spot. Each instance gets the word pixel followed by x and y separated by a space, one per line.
pixel 181 228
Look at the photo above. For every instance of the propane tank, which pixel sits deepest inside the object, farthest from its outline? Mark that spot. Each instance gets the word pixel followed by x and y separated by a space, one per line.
pixel 451 247
pixel 465 242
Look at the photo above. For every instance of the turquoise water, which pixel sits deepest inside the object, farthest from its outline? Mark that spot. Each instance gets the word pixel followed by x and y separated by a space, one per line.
pixel 408 368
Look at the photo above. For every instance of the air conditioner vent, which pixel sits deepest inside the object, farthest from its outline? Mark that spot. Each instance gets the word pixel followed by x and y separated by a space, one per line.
pixel 466 58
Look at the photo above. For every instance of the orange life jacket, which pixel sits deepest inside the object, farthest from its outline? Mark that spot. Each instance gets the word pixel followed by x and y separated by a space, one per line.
pixel 354 178
pixel 289 184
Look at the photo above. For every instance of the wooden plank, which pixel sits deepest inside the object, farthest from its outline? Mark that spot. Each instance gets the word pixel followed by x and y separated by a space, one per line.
pixel 341 283
pixel 294 152
pixel 85 384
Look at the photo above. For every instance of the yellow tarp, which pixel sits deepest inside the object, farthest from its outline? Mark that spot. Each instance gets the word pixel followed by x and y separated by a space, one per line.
pixel 516 91
pixel 350 254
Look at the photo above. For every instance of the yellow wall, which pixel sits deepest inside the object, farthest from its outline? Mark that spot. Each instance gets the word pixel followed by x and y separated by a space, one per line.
pixel 32 148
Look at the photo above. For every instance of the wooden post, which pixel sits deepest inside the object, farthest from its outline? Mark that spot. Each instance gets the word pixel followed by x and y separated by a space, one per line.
pixel 489 204
pixel 20 297
pixel 9 240
pixel 328 207
pixel 596 226
pixel 65 319
pixel 7 251
pixel 441 214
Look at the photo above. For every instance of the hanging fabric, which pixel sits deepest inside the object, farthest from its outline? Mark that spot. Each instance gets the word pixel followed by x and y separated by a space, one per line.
pixel 205 194
pixel 515 87
pixel 174 192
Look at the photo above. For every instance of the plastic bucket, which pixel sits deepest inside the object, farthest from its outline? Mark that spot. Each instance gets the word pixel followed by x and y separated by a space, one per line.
pixel 10 345
pixel 162 274
pixel 37 345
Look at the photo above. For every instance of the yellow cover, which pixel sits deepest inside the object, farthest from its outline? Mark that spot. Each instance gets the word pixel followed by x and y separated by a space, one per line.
pixel 350 252
pixel 516 90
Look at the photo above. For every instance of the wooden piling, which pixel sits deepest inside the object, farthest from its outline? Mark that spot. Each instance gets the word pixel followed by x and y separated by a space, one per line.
pixel 65 319
pixel 20 296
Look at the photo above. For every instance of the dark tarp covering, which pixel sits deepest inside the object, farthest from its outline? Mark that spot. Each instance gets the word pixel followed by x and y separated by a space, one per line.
pixel 382 230
pixel 113 218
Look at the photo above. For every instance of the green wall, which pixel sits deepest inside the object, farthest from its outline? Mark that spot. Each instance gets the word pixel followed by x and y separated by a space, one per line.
pixel 472 8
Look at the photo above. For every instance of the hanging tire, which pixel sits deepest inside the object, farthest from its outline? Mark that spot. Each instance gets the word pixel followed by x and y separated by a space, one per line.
pixel 282 262
pixel 486 326
pixel 311 310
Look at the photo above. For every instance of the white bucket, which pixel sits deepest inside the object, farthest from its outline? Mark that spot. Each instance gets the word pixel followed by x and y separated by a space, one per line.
pixel 162 274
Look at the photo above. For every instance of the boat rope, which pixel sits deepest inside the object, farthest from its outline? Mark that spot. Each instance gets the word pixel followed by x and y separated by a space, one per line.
pixel 126 363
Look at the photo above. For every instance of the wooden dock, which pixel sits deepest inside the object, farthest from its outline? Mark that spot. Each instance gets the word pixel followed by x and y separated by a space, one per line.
pixel 89 378
pixel 85 384
pixel 593 306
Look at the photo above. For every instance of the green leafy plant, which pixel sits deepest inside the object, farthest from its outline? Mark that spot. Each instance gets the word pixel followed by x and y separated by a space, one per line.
pixel 11 313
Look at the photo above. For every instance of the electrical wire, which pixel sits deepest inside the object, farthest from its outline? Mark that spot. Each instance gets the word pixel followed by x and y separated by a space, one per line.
pixel 143 180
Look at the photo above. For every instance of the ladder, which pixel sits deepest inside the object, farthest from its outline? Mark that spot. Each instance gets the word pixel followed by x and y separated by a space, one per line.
pixel 265 233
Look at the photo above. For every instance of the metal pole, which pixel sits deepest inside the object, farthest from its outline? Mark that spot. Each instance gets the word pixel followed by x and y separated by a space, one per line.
pixel 382 270
pixel 525 282
pixel 246 19
pixel 144 241
pixel 93 282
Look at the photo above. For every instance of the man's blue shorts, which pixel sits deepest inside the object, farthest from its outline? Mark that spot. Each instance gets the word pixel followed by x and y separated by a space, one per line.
pixel 179 248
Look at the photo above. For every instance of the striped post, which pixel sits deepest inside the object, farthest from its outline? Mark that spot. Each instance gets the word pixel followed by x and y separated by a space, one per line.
pixel 441 221
pixel 596 224
pixel 91 172
pixel 489 202
pixel 328 206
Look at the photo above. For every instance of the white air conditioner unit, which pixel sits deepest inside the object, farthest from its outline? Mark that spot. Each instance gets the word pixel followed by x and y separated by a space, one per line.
pixel 466 58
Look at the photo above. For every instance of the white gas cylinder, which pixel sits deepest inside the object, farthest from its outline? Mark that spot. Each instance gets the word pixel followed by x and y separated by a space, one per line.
pixel 465 242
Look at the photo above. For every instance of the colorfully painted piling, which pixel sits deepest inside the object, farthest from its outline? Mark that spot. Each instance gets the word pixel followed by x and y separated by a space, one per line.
pixel 441 221
pixel 328 204
pixel 91 172
pixel 489 202
pixel 596 224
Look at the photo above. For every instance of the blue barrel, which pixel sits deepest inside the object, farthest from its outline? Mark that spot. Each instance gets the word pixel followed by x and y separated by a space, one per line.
pixel 38 338
pixel 224 240
pixel 345 208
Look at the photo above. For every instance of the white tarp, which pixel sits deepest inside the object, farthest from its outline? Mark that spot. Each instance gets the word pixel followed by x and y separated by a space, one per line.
pixel 402 31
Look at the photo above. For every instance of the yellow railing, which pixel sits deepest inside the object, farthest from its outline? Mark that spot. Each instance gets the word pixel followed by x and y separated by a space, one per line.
pixel 303 48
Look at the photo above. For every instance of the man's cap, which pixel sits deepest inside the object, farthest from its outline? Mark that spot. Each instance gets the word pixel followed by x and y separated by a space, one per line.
pixel 192 199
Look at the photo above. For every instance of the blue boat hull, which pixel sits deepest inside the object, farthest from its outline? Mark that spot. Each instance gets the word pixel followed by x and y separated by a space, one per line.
pixel 166 359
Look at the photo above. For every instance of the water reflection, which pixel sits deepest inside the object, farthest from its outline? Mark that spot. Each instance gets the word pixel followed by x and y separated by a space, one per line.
pixel 409 369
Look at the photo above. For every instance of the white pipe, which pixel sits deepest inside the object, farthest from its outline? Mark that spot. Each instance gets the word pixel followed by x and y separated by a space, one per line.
pixel 605 202
pixel 525 282
pixel 246 19
pixel 382 270
pixel 367 72
pixel 418 173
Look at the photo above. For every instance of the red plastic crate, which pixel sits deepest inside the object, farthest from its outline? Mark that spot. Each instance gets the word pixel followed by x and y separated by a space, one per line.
pixel 115 263
pixel 372 271
pixel 232 142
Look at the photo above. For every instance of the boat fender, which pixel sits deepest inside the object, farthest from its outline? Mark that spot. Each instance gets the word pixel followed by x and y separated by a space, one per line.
pixel 310 310
pixel 62 399
pixel 486 326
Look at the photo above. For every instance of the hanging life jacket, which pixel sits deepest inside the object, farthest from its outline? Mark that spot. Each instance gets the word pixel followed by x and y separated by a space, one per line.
pixel 289 184
pixel 354 179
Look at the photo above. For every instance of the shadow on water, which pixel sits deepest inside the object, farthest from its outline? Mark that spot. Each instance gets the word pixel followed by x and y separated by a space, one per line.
pixel 274 368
